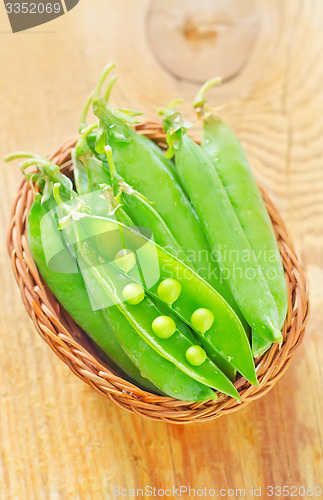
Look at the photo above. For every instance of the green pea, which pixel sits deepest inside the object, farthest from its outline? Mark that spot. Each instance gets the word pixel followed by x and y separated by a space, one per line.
pixel 125 259
pixel 169 290
pixel 202 319
pixel 133 294
pixel 163 327
pixel 195 355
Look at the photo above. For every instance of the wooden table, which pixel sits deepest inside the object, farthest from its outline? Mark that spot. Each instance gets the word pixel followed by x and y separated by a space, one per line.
pixel 58 439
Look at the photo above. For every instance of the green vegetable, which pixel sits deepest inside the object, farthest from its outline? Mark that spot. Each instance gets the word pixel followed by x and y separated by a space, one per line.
pixel 141 211
pixel 232 166
pixel 235 257
pixel 70 290
pixel 160 371
pixel 165 265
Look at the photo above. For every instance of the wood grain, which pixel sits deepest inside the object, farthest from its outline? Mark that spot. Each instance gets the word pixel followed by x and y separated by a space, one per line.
pixel 58 439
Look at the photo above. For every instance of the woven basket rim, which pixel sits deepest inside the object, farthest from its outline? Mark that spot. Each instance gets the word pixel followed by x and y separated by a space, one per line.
pixel 67 340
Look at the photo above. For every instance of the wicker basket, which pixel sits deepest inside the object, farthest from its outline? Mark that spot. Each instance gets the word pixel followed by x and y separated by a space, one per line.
pixel 72 345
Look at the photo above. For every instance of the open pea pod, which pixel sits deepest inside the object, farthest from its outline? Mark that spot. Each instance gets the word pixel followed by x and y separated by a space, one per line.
pixel 142 212
pixel 164 374
pixel 191 298
pixel 110 291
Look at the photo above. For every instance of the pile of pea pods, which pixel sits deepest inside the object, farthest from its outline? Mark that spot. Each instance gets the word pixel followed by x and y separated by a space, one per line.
pixel 166 259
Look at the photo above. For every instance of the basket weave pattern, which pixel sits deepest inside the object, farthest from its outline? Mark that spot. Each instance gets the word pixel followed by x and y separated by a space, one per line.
pixel 69 342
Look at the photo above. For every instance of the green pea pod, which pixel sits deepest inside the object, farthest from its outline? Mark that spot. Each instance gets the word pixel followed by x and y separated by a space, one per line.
pixel 111 283
pixel 88 174
pixel 226 337
pixel 226 367
pixel 141 168
pixel 236 258
pixel 258 344
pixel 159 370
pixel 69 289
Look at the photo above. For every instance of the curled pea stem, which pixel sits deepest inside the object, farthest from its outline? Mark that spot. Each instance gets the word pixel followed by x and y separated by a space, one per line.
pixel 200 103
pixel 59 200
pixel 175 102
pixel 110 85
pixel 200 98
pixel 88 129
pixel 85 111
pixel 32 183
pixel 97 90
pixel 57 194
pixel 33 160
pixel 42 164
pixel 170 109
pixel 31 163
pixel 20 154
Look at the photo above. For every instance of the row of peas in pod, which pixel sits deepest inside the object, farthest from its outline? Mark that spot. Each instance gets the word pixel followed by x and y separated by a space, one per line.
pixel 166 259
